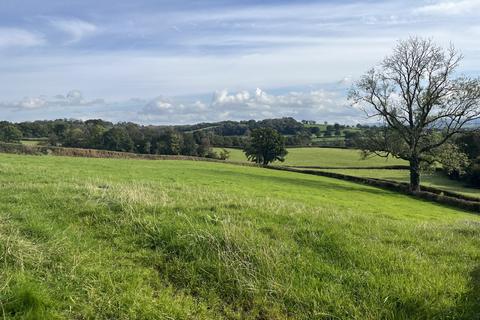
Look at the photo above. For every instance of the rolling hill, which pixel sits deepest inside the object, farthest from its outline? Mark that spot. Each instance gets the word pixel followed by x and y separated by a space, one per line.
pixel 136 239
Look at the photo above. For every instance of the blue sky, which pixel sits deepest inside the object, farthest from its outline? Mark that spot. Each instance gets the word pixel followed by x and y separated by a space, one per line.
pixel 165 62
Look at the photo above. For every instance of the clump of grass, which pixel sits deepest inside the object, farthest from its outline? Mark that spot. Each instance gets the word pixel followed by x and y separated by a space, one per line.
pixel 24 298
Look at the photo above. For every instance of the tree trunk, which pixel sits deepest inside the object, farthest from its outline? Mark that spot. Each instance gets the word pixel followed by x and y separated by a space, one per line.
pixel 414 174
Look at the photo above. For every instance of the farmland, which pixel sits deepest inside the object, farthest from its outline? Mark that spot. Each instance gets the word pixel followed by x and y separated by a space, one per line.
pixel 325 157
pixel 342 158
pixel 134 239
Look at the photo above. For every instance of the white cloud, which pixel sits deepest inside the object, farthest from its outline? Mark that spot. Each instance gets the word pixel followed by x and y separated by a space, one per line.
pixel 12 37
pixel 258 104
pixel 77 29
pixel 73 98
pixel 31 103
pixel 161 106
pixel 164 110
pixel 315 104
pixel 450 7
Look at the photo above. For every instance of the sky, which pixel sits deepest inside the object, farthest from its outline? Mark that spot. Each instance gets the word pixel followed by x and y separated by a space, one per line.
pixel 179 62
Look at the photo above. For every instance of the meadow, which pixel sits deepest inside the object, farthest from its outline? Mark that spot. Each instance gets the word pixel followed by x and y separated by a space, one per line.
pixel 136 239
pixel 343 158
pixel 324 157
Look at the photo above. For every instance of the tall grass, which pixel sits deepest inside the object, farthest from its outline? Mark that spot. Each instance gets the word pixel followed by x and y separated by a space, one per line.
pixel 131 239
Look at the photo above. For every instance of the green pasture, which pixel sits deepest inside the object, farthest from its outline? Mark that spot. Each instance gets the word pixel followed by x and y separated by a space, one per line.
pixel 324 157
pixel 136 239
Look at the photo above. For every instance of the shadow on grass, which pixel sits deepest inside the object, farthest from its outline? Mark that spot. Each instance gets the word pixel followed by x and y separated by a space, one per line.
pixel 470 306
pixel 323 183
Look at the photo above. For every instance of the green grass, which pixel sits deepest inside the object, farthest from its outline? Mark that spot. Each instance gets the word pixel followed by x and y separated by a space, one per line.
pixel 30 142
pixel 331 157
pixel 435 179
pixel 327 157
pixel 135 239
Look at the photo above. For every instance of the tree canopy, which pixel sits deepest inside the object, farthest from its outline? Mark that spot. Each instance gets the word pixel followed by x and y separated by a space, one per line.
pixel 416 94
pixel 265 146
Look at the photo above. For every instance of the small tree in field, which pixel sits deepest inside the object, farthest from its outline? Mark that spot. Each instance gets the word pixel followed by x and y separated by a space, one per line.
pixel 414 92
pixel 266 145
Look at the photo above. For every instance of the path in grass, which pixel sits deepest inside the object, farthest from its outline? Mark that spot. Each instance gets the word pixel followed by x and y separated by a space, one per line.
pixel 134 239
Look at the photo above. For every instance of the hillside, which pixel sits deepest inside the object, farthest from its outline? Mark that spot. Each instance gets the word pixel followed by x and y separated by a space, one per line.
pixel 135 239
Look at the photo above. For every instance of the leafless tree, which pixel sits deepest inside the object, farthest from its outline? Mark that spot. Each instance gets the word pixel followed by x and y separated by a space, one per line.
pixel 421 102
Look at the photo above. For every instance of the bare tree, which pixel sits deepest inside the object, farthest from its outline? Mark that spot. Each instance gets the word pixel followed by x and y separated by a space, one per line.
pixel 422 104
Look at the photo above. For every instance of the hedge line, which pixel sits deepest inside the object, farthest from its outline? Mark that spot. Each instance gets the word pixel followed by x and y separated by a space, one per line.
pixel 394 167
pixel 16 148
pixel 95 153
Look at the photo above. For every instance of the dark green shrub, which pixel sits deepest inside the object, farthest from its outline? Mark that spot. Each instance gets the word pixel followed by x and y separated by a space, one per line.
pixel 473 174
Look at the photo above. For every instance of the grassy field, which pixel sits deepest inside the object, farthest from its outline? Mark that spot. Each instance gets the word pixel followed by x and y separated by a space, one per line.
pixel 133 239
pixel 328 157
pixel 331 157
pixel 435 179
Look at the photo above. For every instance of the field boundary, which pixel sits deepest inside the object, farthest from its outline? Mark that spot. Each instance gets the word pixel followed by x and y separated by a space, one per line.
pixel 14 148
pixel 427 193
pixel 393 167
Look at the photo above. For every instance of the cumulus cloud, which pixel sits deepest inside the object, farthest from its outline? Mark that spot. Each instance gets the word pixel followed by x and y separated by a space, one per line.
pixel 165 110
pixel 320 104
pixel 325 104
pixel 73 98
pixel 258 104
pixel 12 37
pixel 161 106
pixel 77 29
pixel 260 101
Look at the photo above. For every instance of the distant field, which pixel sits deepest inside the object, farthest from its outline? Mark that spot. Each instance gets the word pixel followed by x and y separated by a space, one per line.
pixel 327 157
pixel 331 157
pixel 133 239
pixel 437 180
pixel 30 142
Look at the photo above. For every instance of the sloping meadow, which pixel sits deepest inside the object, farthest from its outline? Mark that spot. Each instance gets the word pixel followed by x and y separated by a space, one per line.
pixel 133 239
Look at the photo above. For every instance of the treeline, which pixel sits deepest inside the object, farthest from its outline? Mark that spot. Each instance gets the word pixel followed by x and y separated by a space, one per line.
pixel 99 134
pixel 192 140
pixel 284 126
pixel 235 133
